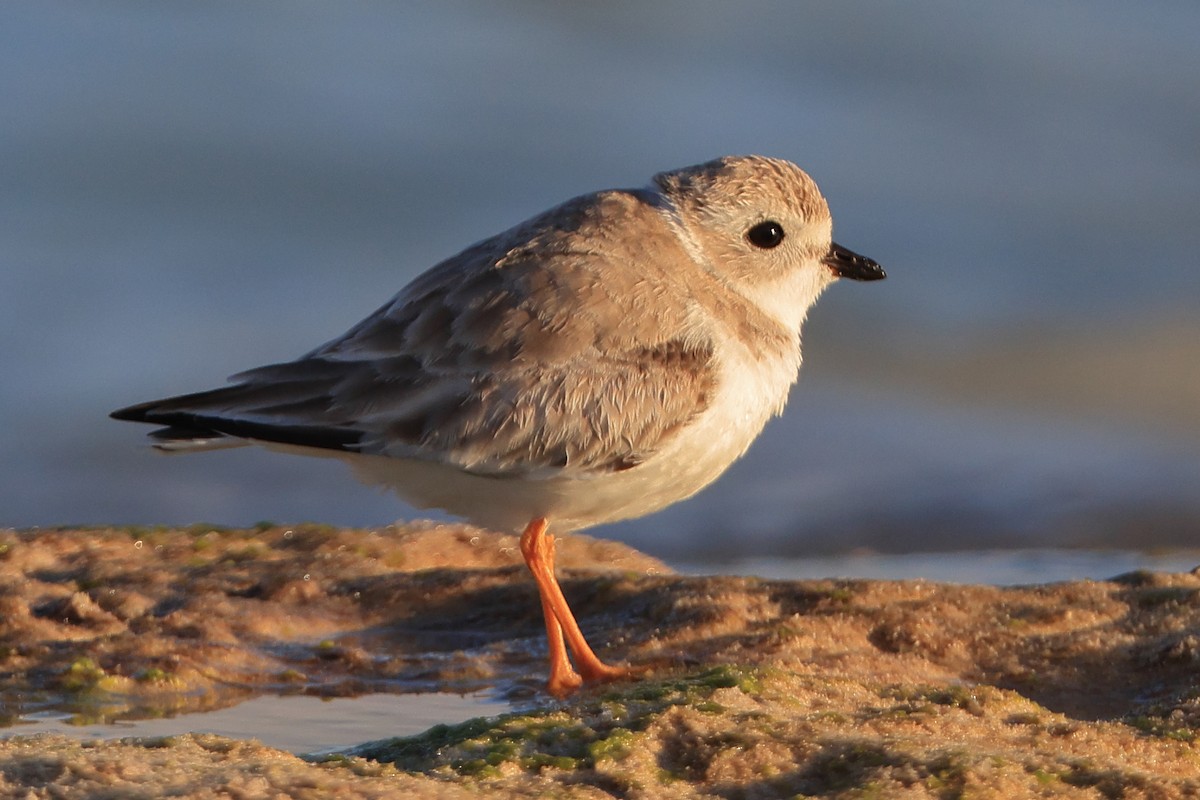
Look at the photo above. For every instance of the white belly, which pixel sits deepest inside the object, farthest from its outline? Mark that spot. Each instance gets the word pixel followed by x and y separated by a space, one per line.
pixel 749 393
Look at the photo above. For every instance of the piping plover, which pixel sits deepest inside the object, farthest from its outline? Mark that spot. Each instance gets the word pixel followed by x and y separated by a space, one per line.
pixel 598 362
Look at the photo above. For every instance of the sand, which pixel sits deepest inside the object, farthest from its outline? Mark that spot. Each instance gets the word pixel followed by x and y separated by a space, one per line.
pixel 755 688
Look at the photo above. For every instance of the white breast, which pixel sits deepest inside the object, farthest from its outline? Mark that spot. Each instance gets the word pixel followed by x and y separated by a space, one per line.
pixel 751 390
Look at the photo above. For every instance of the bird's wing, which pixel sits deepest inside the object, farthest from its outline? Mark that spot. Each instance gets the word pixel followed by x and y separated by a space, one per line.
pixel 538 351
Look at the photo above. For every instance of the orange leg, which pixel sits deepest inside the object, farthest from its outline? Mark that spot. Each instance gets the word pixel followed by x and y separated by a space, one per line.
pixel 562 631
pixel 563 677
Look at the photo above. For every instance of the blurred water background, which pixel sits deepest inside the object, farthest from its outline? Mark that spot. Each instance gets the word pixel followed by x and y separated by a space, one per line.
pixel 188 190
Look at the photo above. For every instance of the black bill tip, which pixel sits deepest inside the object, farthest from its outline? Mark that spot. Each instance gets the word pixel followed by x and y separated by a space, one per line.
pixel 848 264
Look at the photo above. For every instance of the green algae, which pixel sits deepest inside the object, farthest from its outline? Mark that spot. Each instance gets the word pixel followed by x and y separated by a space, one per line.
pixel 915 699
pixel 603 730
pixel 83 674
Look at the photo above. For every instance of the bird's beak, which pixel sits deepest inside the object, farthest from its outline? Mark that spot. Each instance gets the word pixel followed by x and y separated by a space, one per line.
pixel 848 264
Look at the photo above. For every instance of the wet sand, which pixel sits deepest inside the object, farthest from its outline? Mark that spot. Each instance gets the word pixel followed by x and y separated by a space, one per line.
pixel 757 688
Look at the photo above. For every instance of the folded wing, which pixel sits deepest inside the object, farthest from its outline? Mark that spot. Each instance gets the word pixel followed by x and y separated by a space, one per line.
pixel 518 356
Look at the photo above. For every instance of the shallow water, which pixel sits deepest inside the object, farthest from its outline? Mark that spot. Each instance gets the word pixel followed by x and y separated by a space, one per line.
pixel 296 723
pixel 995 567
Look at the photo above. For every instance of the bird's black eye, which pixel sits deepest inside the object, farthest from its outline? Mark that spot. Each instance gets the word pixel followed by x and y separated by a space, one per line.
pixel 766 234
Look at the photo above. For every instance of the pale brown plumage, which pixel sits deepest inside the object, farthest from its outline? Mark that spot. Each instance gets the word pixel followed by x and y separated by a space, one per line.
pixel 522 354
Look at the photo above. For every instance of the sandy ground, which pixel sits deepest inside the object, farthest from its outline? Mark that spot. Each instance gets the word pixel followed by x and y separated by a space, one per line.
pixel 757 688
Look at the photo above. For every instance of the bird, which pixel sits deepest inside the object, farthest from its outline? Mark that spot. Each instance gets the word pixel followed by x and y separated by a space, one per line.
pixel 597 362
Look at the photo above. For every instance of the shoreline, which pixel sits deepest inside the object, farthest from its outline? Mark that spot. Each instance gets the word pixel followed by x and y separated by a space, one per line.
pixel 758 687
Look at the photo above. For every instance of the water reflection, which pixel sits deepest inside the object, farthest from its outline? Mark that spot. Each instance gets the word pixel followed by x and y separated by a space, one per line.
pixel 296 723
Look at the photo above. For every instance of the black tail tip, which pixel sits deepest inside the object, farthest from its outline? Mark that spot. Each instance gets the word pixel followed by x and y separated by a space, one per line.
pixel 135 413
